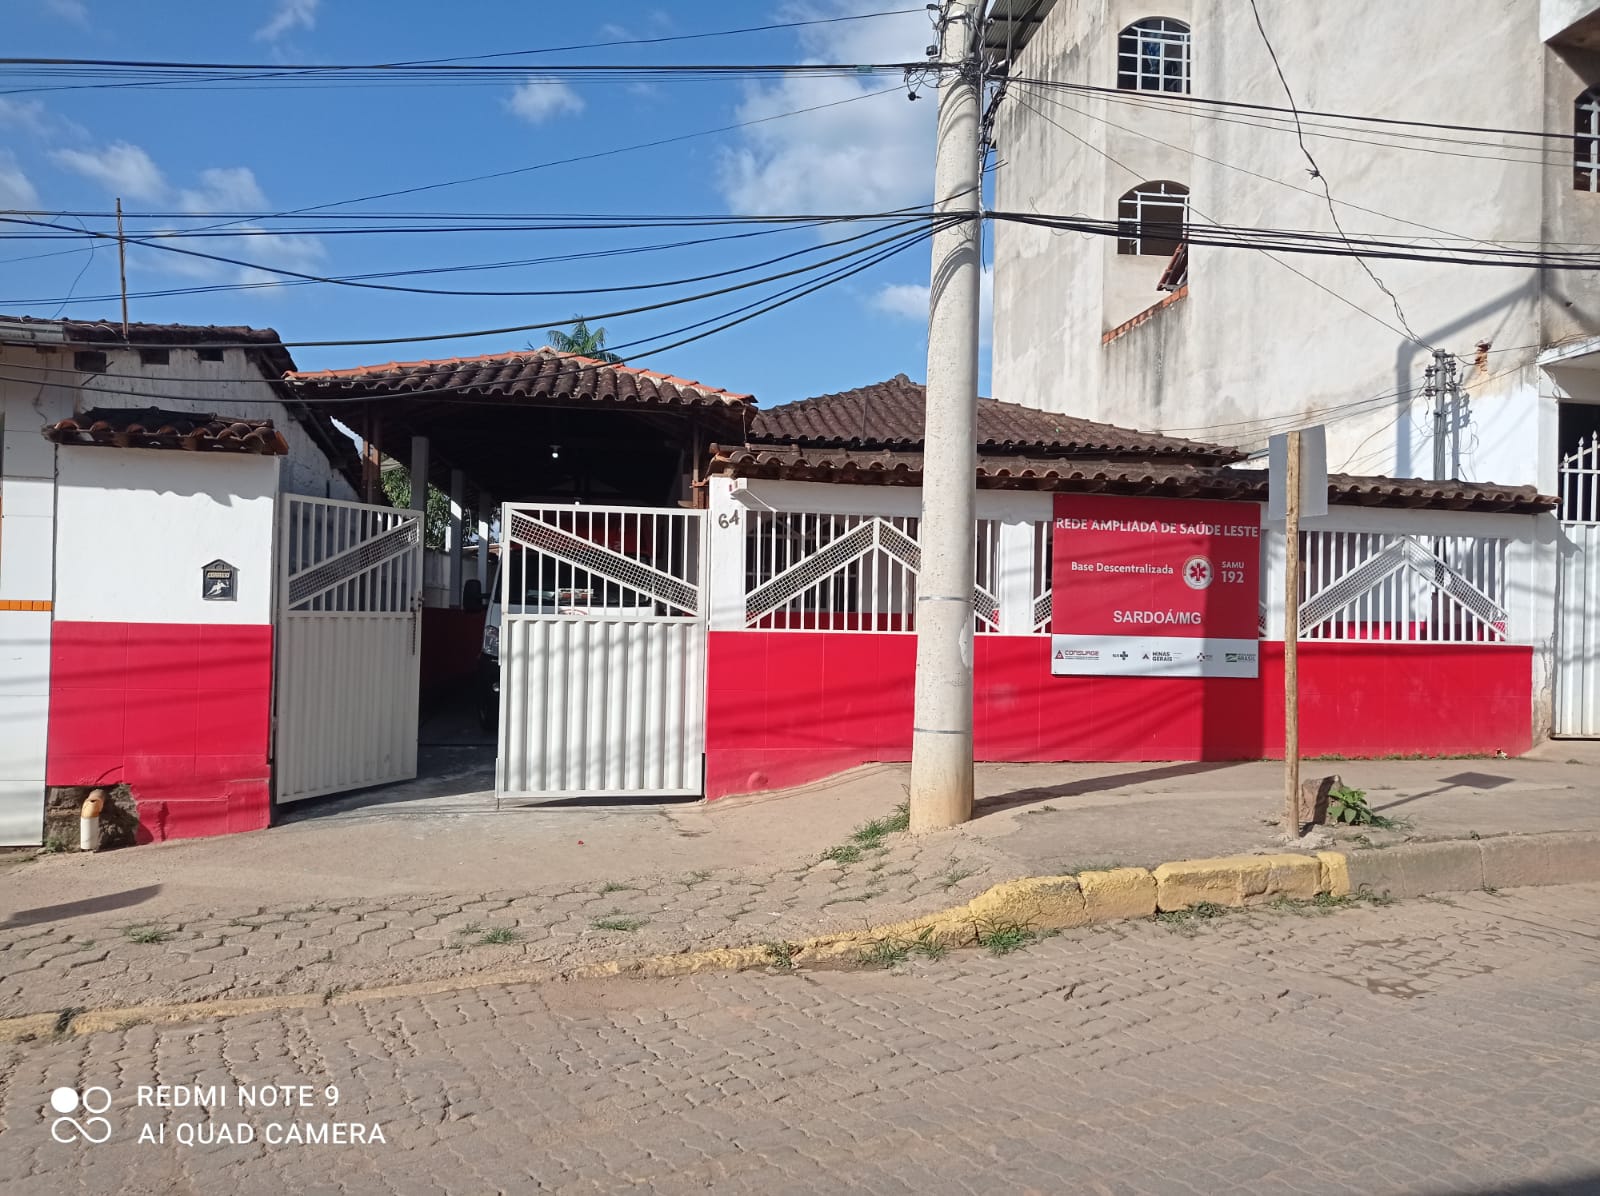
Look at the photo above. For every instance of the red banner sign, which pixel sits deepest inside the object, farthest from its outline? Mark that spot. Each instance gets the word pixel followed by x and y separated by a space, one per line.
pixel 1155 587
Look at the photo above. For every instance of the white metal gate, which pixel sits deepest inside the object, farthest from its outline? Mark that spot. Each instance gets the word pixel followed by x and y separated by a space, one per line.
pixel 1577 664
pixel 349 646
pixel 602 652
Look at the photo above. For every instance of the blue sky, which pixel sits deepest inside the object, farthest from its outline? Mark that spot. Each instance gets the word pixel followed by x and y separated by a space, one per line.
pixel 275 149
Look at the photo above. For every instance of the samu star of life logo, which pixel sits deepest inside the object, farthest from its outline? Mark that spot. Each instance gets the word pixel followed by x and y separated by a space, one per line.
pixel 1198 573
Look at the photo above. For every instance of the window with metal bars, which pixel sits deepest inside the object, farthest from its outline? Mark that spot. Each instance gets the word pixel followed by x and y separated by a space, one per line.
pixel 1151 219
pixel 1586 142
pixel 1153 55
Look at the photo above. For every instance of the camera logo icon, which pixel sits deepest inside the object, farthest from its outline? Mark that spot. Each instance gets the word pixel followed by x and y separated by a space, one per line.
pixel 92 1101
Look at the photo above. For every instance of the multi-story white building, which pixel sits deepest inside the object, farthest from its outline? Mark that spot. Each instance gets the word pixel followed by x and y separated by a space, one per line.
pixel 1234 344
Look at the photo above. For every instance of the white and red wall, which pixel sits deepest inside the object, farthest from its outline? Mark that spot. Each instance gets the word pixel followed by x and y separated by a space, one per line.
pixel 111 667
pixel 789 706
pixel 150 684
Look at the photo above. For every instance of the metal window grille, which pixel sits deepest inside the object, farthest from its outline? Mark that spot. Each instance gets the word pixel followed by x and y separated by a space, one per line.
pixel 1153 55
pixel 1151 219
pixel 1580 482
pixel 844 572
pixel 601 562
pixel 1418 589
pixel 1586 142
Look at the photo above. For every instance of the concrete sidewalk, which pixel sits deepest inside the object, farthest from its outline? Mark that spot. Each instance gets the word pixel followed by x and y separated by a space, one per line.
pixel 430 880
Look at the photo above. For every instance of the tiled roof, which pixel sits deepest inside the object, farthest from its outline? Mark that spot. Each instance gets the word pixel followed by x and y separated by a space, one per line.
pixel 890 415
pixel 542 374
pixel 1157 476
pixel 263 341
pixel 150 427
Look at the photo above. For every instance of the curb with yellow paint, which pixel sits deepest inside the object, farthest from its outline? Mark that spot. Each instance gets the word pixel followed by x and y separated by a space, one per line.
pixel 1036 903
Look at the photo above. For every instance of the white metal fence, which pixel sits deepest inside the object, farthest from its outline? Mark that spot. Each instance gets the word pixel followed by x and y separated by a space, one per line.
pixel 806 571
pixel 1419 589
pixel 602 652
pixel 1577 664
pixel 348 646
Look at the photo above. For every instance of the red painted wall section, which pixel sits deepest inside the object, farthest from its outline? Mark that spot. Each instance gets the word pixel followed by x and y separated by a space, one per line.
pixel 787 708
pixel 180 712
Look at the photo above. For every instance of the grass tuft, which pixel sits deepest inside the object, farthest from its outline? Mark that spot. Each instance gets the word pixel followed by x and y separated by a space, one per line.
pixel 498 936
pixel 781 954
pixel 618 922
pixel 147 934
pixel 612 886
pixel 1002 938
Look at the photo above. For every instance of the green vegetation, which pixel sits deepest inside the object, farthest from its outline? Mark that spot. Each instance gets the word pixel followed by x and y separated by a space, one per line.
pixel 1002 938
pixel 147 934
pixel 781 954
pixel 1349 807
pixel 499 936
pixel 618 922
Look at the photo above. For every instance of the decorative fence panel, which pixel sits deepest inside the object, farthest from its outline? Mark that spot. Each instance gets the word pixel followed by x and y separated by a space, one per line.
pixel 1409 588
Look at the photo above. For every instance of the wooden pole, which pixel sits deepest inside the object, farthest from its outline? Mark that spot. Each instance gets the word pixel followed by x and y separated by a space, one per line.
pixel 122 268
pixel 1291 643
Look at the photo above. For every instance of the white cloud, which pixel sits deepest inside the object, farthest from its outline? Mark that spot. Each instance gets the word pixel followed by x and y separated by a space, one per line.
pixel 130 172
pixel 872 155
pixel 125 169
pixel 26 116
pixel 224 189
pixel 289 15
pixel 903 300
pixel 538 100
pixel 15 189
pixel 69 10
pixel 909 301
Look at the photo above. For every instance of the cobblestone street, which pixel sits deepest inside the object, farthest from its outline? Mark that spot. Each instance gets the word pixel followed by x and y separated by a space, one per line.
pixel 1448 1046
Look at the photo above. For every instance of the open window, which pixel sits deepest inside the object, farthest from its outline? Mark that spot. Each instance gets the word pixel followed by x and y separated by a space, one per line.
pixel 1586 141
pixel 1152 218
pixel 1153 55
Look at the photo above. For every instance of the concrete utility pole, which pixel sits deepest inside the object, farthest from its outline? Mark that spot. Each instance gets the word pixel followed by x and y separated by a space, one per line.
pixel 941 744
pixel 1442 389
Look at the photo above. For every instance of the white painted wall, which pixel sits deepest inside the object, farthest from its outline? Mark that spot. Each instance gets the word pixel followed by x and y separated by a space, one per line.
pixel 233 386
pixel 27 540
pixel 135 526
pixel 1260 343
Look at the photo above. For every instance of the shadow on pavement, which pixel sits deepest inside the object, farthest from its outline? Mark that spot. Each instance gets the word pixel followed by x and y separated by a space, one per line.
pixel 74 909
pixel 998 802
pixel 1582 1185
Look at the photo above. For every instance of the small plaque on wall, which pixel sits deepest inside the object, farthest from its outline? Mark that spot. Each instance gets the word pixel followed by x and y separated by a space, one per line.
pixel 219 582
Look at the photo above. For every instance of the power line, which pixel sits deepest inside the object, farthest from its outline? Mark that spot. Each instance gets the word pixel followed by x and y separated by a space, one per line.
pixel 523 294
pixel 893 246
pixel 1060 103
pixel 1203 101
pixel 546 165
pixel 204 76
pixel 1316 173
pixel 1269 256
pixel 722 321
pixel 1380 138
pixel 463 268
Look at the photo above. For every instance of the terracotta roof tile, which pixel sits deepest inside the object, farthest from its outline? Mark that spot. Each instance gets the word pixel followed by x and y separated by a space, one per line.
pixel 1157 476
pixel 890 415
pixel 533 374
pixel 151 427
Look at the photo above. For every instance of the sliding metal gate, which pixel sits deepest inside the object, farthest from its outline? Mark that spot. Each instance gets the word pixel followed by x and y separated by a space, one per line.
pixel 349 646
pixel 602 652
pixel 1577 665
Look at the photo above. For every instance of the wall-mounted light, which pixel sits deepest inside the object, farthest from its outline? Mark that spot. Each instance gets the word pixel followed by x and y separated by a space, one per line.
pixel 555 452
